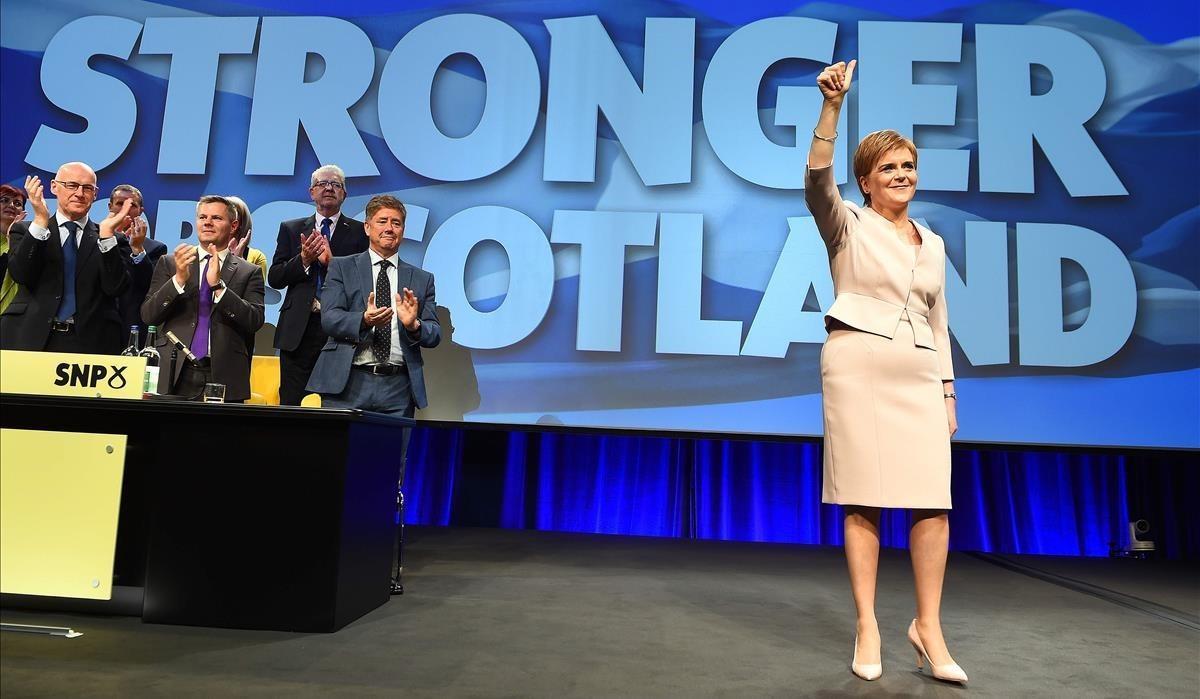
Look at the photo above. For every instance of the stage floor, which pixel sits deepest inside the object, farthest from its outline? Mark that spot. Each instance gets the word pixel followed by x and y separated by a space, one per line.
pixel 491 612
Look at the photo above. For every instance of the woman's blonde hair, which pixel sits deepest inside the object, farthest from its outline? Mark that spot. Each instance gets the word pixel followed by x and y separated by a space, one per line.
pixel 872 148
pixel 247 223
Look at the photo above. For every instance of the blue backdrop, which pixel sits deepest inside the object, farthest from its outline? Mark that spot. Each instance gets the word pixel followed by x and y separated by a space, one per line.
pixel 1040 502
pixel 609 193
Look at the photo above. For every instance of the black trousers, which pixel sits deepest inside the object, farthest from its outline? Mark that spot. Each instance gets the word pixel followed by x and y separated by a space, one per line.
pixel 64 341
pixel 192 379
pixel 296 366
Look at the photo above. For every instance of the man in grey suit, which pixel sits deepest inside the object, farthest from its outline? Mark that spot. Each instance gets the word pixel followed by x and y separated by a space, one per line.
pixel 378 311
pixel 214 309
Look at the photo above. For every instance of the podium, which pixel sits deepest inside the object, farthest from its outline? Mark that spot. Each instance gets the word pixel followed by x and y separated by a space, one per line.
pixel 244 516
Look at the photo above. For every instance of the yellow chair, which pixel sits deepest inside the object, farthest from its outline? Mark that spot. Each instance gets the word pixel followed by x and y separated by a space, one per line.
pixel 264 380
pixel 264 384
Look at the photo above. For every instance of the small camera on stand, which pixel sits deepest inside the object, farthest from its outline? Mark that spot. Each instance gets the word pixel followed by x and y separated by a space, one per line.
pixel 1141 541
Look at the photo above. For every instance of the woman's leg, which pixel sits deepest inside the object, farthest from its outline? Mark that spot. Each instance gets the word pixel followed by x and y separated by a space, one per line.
pixel 929 541
pixel 862 557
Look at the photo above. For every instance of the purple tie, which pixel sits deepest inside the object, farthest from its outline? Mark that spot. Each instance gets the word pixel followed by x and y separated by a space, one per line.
pixel 200 338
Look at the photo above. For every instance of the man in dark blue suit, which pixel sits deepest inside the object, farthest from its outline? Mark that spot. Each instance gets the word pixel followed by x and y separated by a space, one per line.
pixel 71 272
pixel 143 254
pixel 378 312
pixel 301 262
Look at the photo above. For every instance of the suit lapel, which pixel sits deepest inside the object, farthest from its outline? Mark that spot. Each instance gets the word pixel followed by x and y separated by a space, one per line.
pixel 367 275
pixel 87 244
pixel 342 244
pixel 56 243
pixel 193 282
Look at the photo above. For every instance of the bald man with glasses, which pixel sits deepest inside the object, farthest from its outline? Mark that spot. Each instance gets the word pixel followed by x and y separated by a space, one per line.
pixel 71 271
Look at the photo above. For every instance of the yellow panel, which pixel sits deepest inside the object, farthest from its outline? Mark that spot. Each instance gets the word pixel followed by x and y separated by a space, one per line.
pixel 60 493
pixel 80 375
pixel 264 380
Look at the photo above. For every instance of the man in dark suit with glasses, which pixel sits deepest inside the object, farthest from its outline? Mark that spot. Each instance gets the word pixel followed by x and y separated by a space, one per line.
pixel 71 271
pixel 302 255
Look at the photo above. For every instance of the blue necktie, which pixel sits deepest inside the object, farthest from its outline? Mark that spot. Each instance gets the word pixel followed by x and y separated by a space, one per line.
pixel 66 309
pixel 325 233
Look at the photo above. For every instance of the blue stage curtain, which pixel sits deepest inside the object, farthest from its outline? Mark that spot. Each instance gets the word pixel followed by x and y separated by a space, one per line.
pixel 1043 502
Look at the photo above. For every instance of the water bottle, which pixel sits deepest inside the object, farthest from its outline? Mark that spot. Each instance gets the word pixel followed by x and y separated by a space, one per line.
pixel 153 361
pixel 132 349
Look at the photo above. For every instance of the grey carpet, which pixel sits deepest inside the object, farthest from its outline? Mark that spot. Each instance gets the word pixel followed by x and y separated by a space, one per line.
pixel 500 613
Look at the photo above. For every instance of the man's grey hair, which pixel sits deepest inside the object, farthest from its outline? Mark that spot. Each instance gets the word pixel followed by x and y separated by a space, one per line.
pixel 128 188
pixel 217 199
pixel 328 170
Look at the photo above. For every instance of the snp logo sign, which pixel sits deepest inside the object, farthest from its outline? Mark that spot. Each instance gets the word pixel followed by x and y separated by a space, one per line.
pixel 90 375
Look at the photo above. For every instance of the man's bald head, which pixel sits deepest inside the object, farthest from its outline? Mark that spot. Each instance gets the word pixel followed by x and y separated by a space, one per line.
pixel 74 171
pixel 75 186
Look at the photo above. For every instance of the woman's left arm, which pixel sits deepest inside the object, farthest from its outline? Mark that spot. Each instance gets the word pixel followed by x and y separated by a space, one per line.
pixel 939 320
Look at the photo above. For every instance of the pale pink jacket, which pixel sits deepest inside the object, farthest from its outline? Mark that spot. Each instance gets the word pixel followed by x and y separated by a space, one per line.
pixel 877 277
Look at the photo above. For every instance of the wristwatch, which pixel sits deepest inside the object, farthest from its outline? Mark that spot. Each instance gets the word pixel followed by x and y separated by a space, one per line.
pixel 416 329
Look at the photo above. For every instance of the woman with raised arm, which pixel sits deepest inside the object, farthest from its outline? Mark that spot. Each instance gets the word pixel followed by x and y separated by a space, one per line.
pixel 886 376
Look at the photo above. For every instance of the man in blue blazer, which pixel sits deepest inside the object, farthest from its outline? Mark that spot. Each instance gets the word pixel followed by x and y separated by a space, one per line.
pixel 378 312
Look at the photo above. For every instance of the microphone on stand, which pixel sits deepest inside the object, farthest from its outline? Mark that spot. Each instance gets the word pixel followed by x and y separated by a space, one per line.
pixel 182 348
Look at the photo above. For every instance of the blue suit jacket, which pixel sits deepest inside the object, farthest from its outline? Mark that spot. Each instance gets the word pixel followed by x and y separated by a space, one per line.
pixel 348 283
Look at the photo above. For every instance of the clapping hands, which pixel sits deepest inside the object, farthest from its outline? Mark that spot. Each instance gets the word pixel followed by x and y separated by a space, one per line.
pixel 407 309
pixel 315 248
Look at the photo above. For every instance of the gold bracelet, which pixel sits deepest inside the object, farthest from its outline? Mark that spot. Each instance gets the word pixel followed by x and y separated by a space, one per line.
pixel 819 137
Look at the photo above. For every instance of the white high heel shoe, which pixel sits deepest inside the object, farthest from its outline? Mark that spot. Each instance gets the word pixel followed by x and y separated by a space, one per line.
pixel 949 672
pixel 866 671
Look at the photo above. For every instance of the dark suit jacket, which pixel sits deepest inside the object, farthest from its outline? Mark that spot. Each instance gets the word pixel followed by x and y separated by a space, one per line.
pixel 235 319
pixel 343 302
pixel 37 266
pixel 139 285
pixel 287 272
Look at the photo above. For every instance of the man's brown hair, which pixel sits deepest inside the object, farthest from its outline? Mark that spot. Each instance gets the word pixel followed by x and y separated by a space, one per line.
pixel 385 201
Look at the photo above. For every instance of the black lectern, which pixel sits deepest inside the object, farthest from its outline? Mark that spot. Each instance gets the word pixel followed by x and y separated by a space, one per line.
pixel 245 516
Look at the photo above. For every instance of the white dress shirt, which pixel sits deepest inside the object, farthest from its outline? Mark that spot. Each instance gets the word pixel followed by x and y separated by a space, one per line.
pixel 365 355
pixel 43 233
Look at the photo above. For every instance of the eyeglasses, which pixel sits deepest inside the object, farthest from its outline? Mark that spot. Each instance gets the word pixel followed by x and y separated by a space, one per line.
pixel 6 201
pixel 322 184
pixel 88 189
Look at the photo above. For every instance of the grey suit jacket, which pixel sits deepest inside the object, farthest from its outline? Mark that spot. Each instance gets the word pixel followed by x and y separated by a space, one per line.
pixel 343 302
pixel 235 318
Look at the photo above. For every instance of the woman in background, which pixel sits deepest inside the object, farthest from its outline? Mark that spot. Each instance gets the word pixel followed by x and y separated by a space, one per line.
pixel 886 377
pixel 240 244
pixel 12 209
